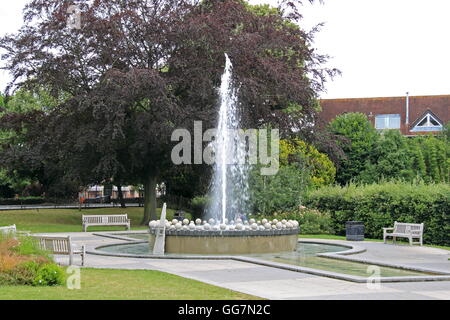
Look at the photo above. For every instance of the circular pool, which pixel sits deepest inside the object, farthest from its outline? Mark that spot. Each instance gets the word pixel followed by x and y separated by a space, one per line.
pixel 303 249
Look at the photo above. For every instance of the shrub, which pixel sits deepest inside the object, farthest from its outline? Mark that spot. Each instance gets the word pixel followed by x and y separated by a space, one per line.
pixel 22 201
pixel 198 206
pixel 281 192
pixel 22 263
pixel 311 221
pixel 379 205
pixel 323 171
pixel 49 275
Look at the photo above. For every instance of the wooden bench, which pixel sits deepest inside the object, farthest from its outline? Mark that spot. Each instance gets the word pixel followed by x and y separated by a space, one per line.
pixel 60 245
pixel 106 220
pixel 12 231
pixel 405 230
pixel 9 230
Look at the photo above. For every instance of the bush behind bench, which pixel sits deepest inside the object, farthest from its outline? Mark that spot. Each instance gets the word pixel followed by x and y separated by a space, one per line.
pixel 379 205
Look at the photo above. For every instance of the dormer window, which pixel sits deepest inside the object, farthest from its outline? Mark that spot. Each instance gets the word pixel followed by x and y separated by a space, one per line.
pixel 428 122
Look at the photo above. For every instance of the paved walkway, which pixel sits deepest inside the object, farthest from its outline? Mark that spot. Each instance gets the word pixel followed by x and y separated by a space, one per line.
pixel 273 283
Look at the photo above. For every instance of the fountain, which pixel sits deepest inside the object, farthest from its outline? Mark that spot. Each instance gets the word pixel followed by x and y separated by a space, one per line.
pixel 229 186
pixel 226 232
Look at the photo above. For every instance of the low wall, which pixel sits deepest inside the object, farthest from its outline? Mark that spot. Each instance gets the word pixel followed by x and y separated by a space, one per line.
pixel 225 244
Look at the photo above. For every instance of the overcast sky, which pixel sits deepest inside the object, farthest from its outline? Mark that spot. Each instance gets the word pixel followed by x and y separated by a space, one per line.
pixel 382 47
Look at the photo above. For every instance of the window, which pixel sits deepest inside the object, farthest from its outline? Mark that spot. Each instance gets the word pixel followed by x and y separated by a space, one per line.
pixel 428 123
pixel 387 121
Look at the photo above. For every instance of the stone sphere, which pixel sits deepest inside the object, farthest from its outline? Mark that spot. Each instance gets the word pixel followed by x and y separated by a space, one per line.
pixel 279 225
pixel 168 224
pixel 258 222
pixel 185 228
pixel 226 221
pixel 267 226
pixel 206 226
pixel 252 221
pixel 264 221
pixel 174 221
pixel 192 226
pixel 283 221
pixel 215 227
pixel 254 226
pixel 231 227
pixel 223 227
pixel 199 227
pixel 274 221
pixel 178 225
pixel 261 228
pixel 172 227
pixel 274 226
pixel 186 221
pixel 232 222
pixel 204 222
pixel 198 221
pixel 295 223
pixel 238 220
pixel 289 225
pixel 211 221
pixel 239 226
pixel 152 224
pixel 246 223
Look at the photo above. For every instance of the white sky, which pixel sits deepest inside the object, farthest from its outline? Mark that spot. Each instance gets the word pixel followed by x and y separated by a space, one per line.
pixel 383 47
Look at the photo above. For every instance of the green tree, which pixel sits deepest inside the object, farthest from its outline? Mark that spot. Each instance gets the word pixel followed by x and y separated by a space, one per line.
pixel 323 171
pixel 361 138
pixel 139 69
pixel 280 192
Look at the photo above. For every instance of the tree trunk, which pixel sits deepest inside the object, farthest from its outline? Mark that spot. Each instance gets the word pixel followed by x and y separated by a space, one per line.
pixel 120 195
pixel 149 200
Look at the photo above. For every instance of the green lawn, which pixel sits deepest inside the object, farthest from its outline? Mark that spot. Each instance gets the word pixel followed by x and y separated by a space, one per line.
pixel 106 284
pixel 333 237
pixel 68 220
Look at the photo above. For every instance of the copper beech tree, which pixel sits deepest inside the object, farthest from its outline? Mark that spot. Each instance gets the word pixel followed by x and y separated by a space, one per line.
pixel 135 70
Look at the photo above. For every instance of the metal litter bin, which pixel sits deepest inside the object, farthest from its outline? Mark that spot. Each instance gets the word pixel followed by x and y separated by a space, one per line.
pixel 354 230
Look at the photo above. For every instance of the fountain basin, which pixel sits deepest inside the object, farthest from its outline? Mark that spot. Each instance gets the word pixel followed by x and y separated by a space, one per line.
pixel 228 242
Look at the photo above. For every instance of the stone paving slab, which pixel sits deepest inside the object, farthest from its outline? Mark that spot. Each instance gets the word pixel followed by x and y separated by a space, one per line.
pixel 273 283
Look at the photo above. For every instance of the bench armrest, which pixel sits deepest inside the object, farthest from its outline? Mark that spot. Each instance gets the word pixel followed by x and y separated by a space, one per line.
pixel 76 248
pixel 23 233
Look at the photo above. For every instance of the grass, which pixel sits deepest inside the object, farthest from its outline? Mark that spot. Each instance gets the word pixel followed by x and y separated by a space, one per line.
pixel 68 220
pixel 108 284
pixel 333 237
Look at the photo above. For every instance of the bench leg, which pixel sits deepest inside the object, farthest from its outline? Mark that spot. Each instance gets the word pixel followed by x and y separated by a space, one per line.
pixel 70 259
pixel 83 255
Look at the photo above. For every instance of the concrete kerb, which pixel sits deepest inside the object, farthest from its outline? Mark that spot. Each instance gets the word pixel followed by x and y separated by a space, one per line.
pixel 337 255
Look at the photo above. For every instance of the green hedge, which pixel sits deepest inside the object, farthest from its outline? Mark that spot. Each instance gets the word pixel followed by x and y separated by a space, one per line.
pixel 22 201
pixel 379 205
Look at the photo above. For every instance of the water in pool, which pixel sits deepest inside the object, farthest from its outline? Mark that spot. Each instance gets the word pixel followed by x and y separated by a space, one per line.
pixel 304 256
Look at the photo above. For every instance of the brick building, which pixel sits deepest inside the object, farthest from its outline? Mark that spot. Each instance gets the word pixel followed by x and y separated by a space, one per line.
pixel 412 115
